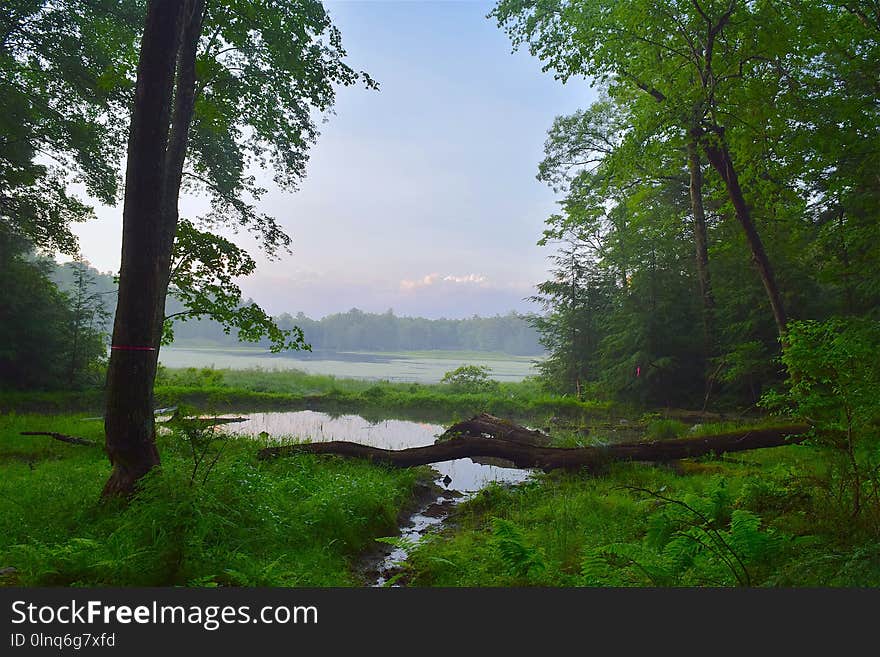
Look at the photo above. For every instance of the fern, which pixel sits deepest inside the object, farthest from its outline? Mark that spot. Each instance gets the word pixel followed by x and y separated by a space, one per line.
pixel 698 539
pixel 618 564
pixel 519 557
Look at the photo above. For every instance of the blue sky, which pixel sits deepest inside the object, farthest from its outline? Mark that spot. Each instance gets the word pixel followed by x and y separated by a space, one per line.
pixel 422 196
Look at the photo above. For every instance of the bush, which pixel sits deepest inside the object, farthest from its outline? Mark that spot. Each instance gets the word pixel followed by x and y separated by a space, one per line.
pixel 470 378
pixel 833 380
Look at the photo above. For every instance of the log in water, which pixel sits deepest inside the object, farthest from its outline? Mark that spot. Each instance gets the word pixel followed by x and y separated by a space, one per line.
pixel 487 436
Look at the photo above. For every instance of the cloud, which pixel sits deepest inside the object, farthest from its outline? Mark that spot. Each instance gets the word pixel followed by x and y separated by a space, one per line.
pixel 435 279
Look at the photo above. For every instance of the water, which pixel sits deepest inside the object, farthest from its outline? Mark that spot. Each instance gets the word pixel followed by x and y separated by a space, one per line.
pixel 419 367
pixel 457 480
pixel 464 475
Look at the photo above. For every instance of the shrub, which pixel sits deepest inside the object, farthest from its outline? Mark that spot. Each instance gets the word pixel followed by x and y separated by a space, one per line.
pixel 833 380
pixel 470 378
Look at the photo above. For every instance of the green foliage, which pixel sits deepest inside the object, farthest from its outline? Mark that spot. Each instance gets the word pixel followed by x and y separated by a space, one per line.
pixel 832 372
pixel 401 542
pixel 257 98
pixel 573 302
pixel 206 442
pixel 294 522
pixel 765 508
pixel 203 273
pixel 833 381
pixel 290 389
pixel 470 379
pixel 520 559
pixel 626 306
pixel 664 429
pixel 696 540
pixel 191 377
pixel 48 339
pixel 65 84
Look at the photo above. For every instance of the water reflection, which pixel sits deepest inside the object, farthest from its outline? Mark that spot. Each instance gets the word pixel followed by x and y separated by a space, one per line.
pixel 463 474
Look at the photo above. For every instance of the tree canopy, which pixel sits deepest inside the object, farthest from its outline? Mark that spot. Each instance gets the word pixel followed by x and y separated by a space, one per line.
pixel 730 133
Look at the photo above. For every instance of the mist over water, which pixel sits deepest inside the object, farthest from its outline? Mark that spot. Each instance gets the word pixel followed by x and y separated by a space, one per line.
pixel 426 367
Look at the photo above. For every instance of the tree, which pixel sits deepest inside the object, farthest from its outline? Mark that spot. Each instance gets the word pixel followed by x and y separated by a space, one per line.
pixel 470 379
pixel 574 300
pixel 46 338
pixel 613 153
pixel 221 85
pixel 698 62
pixel 833 382
pixel 88 318
pixel 65 69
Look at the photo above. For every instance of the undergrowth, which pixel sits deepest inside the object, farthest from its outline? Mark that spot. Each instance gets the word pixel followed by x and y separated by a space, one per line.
pixel 291 522
pixel 758 519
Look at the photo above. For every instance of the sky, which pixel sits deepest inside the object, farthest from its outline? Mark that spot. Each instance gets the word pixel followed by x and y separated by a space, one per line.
pixel 420 197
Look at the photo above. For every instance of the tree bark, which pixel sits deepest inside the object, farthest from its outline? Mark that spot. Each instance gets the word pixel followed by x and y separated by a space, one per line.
pixel 701 248
pixel 504 444
pixel 488 425
pixel 701 242
pixel 129 425
pixel 719 157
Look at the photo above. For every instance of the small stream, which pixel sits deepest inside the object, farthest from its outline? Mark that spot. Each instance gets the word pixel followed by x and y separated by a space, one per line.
pixel 455 481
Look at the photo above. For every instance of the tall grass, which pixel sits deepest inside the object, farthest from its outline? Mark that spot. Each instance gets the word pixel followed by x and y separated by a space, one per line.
pixel 294 522
pixel 566 529
pixel 241 390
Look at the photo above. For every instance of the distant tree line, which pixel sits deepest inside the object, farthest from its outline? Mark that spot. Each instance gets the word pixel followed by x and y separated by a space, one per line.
pixel 353 330
pixel 58 318
pixel 358 330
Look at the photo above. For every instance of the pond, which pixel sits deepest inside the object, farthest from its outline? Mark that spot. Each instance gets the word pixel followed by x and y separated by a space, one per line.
pixel 456 480
pixel 464 475
pixel 414 367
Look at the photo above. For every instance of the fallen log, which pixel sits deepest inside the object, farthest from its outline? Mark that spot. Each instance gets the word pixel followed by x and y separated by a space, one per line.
pixel 550 458
pixel 202 421
pixel 73 440
pixel 495 427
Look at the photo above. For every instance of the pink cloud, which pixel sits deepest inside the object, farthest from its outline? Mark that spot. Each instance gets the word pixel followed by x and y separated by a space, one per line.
pixel 435 278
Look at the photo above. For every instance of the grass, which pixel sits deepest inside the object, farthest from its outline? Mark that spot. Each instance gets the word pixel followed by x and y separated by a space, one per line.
pixel 294 522
pixel 772 506
pixel 304 521
pixel 256 389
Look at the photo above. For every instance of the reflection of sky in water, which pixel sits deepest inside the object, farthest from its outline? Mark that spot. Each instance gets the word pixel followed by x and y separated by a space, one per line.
pixel 466 475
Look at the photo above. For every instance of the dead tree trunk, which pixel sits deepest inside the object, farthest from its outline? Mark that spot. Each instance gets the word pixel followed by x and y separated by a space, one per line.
pixel 485 425
pixel 507 441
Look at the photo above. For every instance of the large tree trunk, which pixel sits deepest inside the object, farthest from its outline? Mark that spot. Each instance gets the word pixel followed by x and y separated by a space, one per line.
pixel 517 444
pixel 701 242
pixel 701 248
pixel 143 275
pixel 719 157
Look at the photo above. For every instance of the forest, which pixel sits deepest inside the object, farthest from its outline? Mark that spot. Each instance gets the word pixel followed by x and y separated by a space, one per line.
pixel 68 309
pixel 706 338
